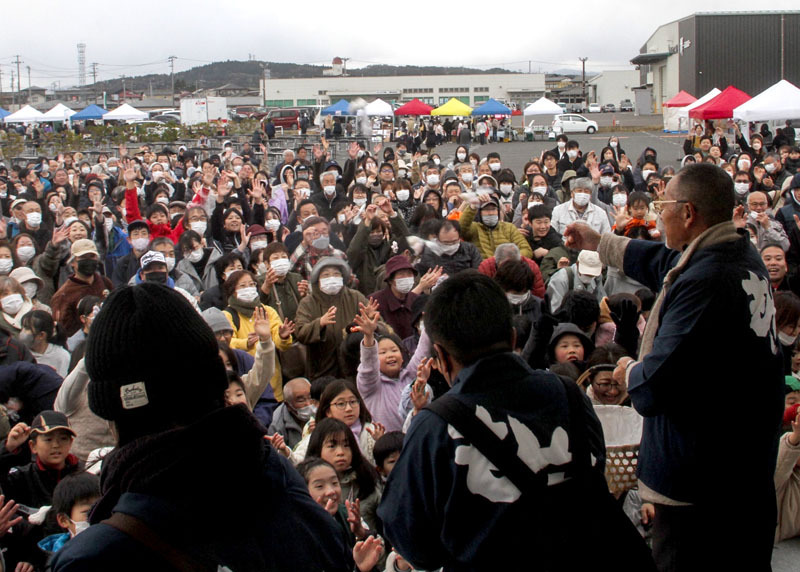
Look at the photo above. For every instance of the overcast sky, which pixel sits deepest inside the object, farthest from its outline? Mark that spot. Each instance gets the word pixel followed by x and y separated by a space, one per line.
pixel 135 38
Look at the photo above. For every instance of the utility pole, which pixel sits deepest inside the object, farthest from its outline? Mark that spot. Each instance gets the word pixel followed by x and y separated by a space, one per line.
pixel 172 77
pixel 529 66
pixel 13 93
pixel 94 81
pixel 30 92
pixel 122 100
pixel 344 69
pixel 583 79
pixel 18 61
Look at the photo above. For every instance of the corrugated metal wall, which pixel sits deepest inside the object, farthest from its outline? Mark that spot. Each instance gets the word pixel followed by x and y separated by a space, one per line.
pixel 744 50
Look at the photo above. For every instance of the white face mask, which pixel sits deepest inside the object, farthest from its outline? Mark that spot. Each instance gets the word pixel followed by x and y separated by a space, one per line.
pixel 786 339
pixel 237 169
pixel 586 280
pixel 606 181
pixel 561 144
pixel 517 299
pixel 280 266
pixel 248 294
pixel 331 285
pixel 53 207
pixel 360 202
pixel 261 268
pixel 108 223
pixel 258 245
pixel 741 188
pixel 34 219
pixel 743 165
pixel 433 179
pixel 361 180
pixel 572 154
pixel 6 264
pixel 474 162
pixel 467 178
pixel 199 227
pixel 25 253
pixel 770 169
pixel 196 256
pixel 80 526
pixel 540 190
pixel 619 200
pixel 436 160
pixel 341 217
pixel 490 220
pixel 31 288
pixel 495 167
pixel 163 200
pixel 756 145
pixel 170 260
pixel 302 192
pixel 140 244
pixel 506 188
pixel 305 413
pixel 157 176
pixel 581 199
pixel 401 173
pixel 404 285
pixel 165 166
pixel 329 190
pixel 85 170
pixel 461 156
pixel 11 304
pixel 449 249
pixel 646 174
pixel 403 194
pixel 613 144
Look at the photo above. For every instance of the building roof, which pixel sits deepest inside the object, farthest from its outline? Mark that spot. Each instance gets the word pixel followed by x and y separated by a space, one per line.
pixel 644 59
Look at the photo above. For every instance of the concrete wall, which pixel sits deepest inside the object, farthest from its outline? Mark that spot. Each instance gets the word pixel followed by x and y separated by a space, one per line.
pixel 614 86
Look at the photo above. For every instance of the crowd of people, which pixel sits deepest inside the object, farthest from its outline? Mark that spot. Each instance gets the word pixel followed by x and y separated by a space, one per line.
pixel 178 322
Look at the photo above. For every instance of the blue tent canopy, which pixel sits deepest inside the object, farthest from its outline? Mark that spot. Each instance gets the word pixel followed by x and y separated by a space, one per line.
pixel 3 113
pixel 341 107
pixel 491 107
pixel 91 112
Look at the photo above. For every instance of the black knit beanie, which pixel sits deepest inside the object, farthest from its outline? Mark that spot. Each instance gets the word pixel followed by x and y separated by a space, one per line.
pixel 153 362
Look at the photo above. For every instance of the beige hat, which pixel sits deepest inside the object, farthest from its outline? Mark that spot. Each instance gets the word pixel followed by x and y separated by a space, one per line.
pixel 83 246
pixel 24 274
pixel 589 263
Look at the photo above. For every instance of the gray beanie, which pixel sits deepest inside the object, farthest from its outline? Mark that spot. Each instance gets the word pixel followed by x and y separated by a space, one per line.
pixel 330 261
pixel 216 320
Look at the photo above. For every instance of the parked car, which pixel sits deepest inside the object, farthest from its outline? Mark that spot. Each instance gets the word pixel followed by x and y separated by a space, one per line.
pixel 575 108
pixel 595 108
pixel 573 123
pixel 626 105
pixel 563 106
pixel 167 118
pixel 609 108
pixel 286 118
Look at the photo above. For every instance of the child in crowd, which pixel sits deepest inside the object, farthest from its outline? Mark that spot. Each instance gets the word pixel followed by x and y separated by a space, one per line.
pixel 787 476
pixel 386 452
pixel 635 215
pixel 324 487
pixel 50 440
pixel 334 442
pixel 72 500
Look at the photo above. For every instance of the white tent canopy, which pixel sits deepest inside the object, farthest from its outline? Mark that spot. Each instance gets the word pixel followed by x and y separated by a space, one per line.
pixel 683 112
pixel 59 113
pixel 379 108
pixel 542 106
pixel 781 101
pixel 124 112
pixel 25 115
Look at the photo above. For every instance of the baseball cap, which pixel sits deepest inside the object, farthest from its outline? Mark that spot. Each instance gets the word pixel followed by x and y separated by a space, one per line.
pixel 152 257
pixel 589 263
pixel 49 421
pixel 83 246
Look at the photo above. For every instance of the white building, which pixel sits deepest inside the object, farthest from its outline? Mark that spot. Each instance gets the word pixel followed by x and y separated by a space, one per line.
pixel 431 89
pixel 613 86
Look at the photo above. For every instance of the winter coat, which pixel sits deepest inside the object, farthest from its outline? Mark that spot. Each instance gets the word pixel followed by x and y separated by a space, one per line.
pixel 560 284
pixel 439 479
pixel 34 385
pixel 488 239
pixel 51 267
pixel 565 214
pixel 365 259
pixel 133 213
pixel 287 425
pixel 551 240
pixel 65 302
pixel 267 514
pixel 125 269
pixel 208 277
pixel 395 312
pixel 33 484
pixel 284 297
pixel 72 400
pixel 549 265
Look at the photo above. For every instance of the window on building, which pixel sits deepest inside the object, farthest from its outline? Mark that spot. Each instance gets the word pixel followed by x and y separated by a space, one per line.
pixel 481 98
pixel 279 102
pixel 306 102
pixel 322 92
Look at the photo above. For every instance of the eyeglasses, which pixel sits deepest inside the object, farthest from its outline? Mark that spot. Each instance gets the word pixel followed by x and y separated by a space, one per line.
pixel 658 206
pixel 606 386
pixel 342 405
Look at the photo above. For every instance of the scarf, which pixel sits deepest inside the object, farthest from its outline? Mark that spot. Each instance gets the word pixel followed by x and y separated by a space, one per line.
pixel 246 309
pixel 717 234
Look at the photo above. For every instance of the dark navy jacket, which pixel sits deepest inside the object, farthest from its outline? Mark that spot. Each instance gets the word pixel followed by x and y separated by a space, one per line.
pixel 444 504
pixel 715 355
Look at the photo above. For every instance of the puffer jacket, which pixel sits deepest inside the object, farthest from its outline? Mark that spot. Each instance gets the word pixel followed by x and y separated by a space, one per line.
pixel 488 239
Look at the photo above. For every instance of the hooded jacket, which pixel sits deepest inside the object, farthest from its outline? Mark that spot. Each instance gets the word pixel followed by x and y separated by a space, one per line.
pixel 568 329
pixel 487 239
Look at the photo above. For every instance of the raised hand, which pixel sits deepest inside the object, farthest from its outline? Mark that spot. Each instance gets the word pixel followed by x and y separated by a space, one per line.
pixel 354 518
pixel 129 175
pixel 430 278
pixel 377 430
pixel 302 288
pixel 367 324
pixel 279 444
pixel 60 235
pixel 261 325
pixel 377 148
pixel 286 330
pixel 328 318
pixel 252 338
pixel 366 553
pixel 17 436
pixel 7 511
pixel 352 151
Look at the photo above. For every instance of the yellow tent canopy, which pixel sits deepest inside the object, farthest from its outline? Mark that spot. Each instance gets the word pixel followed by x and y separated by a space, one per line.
pixel 453 107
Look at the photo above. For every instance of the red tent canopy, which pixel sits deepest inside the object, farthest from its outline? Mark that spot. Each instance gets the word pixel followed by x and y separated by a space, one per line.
pixel 414 107
pixel 722 106
pixel 683 99
pixel 516 112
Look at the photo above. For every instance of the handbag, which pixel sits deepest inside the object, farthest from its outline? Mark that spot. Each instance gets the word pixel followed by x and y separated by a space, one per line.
pixel 584 527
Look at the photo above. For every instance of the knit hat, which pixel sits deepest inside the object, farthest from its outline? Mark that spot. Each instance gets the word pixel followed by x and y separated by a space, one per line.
pixel 153 362
pixel 330 261
pixel 562 330
pixel 216 320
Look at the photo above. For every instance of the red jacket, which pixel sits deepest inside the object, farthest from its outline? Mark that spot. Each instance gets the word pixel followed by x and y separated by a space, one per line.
pixel 489 268
pixel 133 213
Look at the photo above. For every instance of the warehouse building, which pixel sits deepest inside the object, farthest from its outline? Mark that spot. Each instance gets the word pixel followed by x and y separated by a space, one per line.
pixel 472 89
pixel 750 50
